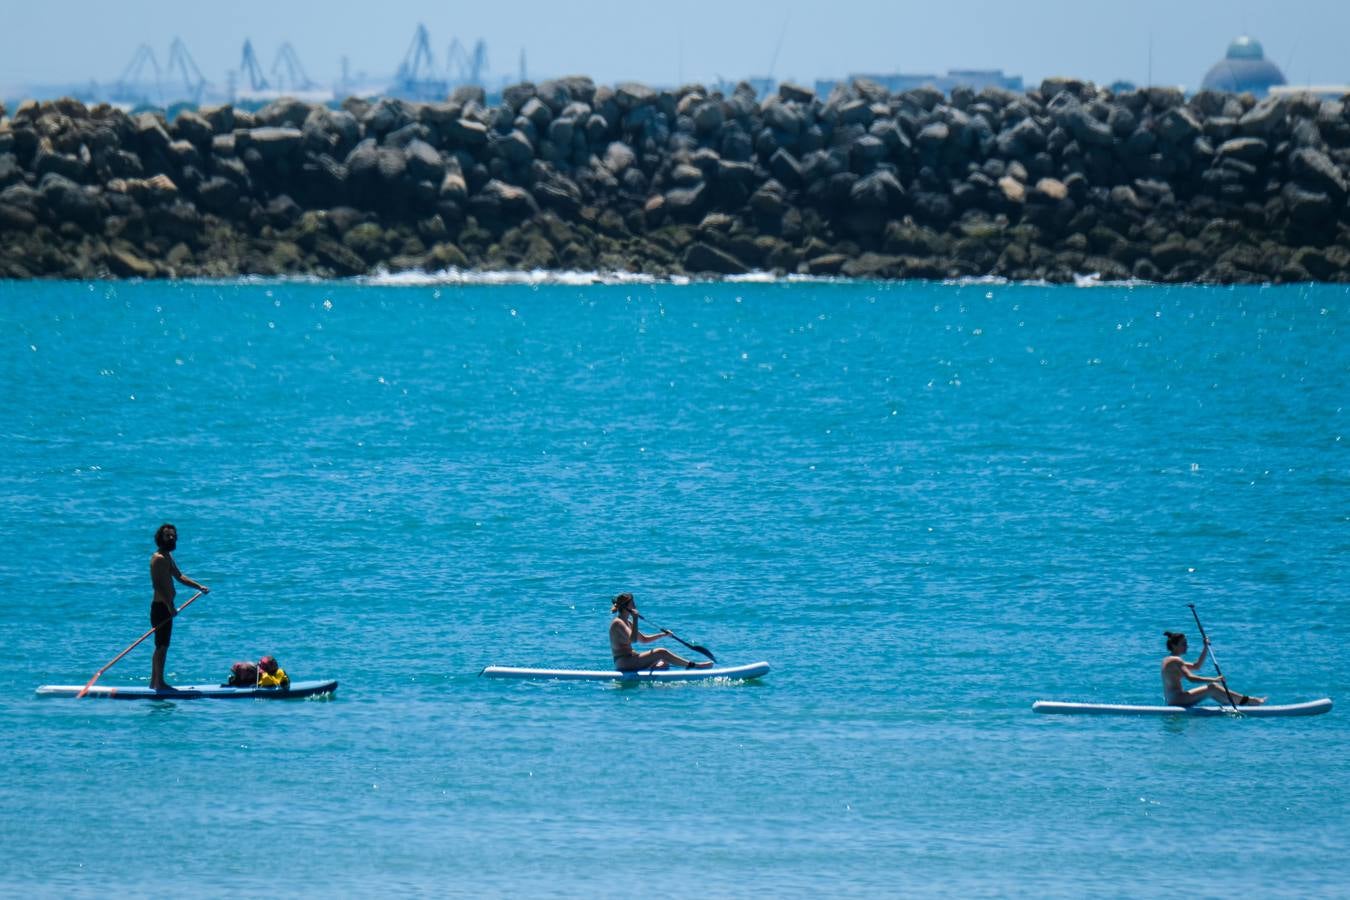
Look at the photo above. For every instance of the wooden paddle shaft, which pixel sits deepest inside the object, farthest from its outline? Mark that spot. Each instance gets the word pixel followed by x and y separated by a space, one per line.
pixel 134 644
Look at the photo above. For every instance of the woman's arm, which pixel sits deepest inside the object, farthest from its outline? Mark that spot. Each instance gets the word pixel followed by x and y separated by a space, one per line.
pixel 1191 676
pixel 645 638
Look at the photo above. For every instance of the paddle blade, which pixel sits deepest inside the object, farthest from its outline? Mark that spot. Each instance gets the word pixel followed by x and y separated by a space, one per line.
pixel 704 650
pixel 84 690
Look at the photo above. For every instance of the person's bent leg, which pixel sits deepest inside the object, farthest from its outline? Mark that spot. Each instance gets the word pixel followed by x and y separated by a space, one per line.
pixel 677 661
pixel 1219 695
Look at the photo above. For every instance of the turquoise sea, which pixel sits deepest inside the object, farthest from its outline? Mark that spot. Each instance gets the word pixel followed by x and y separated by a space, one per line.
pixel 926 505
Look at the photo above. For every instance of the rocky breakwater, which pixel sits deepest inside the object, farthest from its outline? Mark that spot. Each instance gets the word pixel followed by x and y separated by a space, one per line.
pixel 1063 180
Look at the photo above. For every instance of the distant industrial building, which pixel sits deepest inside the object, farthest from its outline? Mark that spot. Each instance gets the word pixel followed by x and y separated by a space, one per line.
pixel 976 79
pixel 1244 69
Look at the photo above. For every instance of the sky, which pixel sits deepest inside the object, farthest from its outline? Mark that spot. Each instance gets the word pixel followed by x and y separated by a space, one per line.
pixel 1174 41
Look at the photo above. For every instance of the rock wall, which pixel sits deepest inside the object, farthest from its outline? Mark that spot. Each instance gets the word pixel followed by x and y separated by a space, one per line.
pixel 1065 179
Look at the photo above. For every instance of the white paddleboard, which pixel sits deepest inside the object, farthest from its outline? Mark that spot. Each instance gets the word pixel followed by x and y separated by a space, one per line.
pixel 1311 708
pixel 751 670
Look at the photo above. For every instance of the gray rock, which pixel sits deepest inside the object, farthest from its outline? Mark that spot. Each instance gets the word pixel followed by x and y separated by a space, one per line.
pixel 466 133
pixel 1178 126
pixel 1263 119
pixel 687 202
pixel 284 111
pixel 786 169
pixel 414 131
pixel 702 258
pixel 708 117
pixel 1164 98
pixel 795 93
pixel 498 200
pixel 1307 208
pixel 1022 139
pixel 597 128
pixel 1087 129
pixel 220 118
pixel 424 163
pixel 515 148
pixel 854 112
pixel 561 130
pixel 630 95
pixel 388 114
pixel 468 93
pixel 866 152
pixel 67 165
pixel 770 199
pixel 880 190
pixel 151 134
pixel 272 143
pixel 391 165
pixel 10 171
pixel 1123 121
pixel 68 201
pixel 1315 170
pixel 686 175
pixel 1247 149
pixel 125 262
pixel 538 112
pixel 618 157
pixel 190 126
pixel 559 193
pixel 453 186
pixel 515 96
pixel 217 194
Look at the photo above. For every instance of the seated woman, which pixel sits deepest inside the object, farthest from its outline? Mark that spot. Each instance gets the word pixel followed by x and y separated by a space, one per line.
pixel 272 675
pixel 623 631
pixel 1174 668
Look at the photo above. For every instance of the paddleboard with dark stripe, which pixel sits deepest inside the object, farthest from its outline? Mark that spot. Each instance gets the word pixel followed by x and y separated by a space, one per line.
pixel 296 690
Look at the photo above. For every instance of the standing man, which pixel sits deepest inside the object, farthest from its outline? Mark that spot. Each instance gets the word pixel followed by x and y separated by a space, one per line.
pixel 163 573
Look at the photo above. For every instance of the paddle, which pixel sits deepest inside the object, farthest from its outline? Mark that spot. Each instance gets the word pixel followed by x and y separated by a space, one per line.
pixel 1212 658
pixel 695 647
pixel 137 642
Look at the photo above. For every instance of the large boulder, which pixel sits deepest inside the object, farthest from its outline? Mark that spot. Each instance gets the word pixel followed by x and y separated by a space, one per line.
pixel 1310 209
pixel 1248 149
pixel 1179 126
pixel 1086 128
pixel 217 194
pixel 1315 170
pixel 498 201
pixel 618 157
pixel 880 190
pixel 464 132
pixel 1021 140
pixel 272 143
pixel 191 126
pixel 686 203
pixel 630 95
pixel 1263 119
pixel 702 258
pixel 424 163
pixel 515 148
pixel 68 201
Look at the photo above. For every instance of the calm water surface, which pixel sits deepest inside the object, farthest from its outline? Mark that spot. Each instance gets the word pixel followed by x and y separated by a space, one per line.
pixel 926 505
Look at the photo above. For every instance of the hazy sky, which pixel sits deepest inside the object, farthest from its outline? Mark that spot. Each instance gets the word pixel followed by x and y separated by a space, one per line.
pixel 47 41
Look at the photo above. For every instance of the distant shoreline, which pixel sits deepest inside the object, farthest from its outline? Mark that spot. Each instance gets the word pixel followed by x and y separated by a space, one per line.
pixel 1064 181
